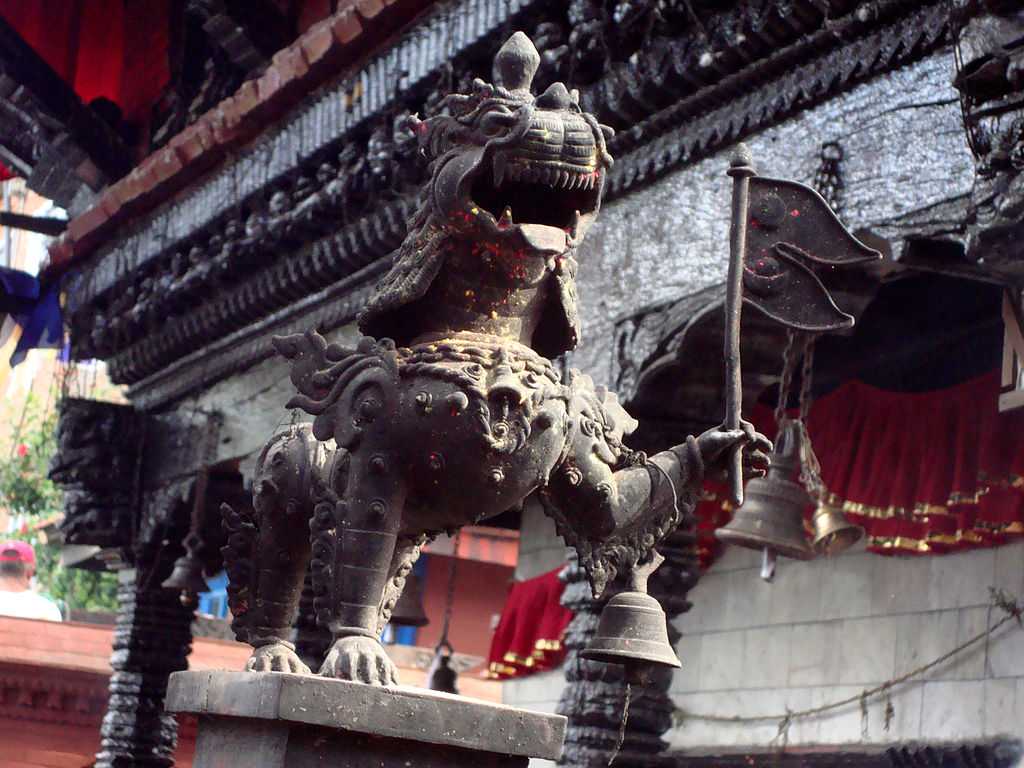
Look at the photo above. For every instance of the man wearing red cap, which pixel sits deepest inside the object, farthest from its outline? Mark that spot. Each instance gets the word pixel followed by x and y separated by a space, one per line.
pixel 17 566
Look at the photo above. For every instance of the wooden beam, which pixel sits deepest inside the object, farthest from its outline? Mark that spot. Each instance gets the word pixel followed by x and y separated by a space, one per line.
pixel 45 225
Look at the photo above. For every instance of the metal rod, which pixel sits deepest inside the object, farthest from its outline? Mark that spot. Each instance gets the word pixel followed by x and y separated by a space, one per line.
pixel 768 564
pixel 45 225
pixel 741 169
pixel 8 256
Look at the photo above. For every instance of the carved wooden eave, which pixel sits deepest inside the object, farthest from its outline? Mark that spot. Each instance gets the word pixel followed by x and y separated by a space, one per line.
pixel 313 248
pixel 817 66
pixel 654 349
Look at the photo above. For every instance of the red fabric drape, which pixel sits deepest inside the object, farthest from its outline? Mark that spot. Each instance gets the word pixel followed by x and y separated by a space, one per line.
pixel 110 48
pixel 926 472
pixel 529 635
pixel 6 173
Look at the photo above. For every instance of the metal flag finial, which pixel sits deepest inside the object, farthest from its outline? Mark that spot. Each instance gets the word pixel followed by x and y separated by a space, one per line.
pixel 741 169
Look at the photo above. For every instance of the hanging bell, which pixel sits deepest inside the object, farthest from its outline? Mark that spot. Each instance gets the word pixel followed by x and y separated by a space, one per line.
pixel 408 611
pixel 771 518
pixel 186 579
pixel 441 676
pixel 632 630
pixel 187 576
pixel 833 532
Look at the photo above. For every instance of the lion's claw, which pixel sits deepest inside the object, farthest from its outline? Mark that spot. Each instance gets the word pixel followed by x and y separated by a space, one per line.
pixel 360 659
pixel 276 657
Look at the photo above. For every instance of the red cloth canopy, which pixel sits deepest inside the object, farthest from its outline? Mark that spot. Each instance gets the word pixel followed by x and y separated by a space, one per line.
pixel 922 472
pixel 529 635
pixel 110 48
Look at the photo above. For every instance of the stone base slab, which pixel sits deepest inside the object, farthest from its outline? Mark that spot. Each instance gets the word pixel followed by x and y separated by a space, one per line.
pixel 277 720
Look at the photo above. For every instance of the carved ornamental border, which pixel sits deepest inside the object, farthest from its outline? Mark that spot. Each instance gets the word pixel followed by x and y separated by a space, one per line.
pixel 165 365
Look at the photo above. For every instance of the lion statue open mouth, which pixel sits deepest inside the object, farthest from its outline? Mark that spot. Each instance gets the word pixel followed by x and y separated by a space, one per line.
pixel 450 411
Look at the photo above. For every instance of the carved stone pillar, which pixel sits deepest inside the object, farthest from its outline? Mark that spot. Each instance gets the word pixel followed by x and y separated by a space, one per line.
pixel 98 465
pixel 595 693
pixel 152 638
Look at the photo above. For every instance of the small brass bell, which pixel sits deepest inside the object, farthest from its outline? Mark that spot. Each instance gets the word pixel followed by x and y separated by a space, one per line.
pixel 441 676
pixel 187 576
pixel 408 611
pixel 633 629
pixel 833 532
pixel 771 518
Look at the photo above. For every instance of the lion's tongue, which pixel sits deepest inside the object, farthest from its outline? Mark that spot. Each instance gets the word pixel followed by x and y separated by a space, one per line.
pixel 541 237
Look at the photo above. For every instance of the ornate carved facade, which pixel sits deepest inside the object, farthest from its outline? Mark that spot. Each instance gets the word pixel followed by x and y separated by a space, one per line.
pixel 97 465
pixel 675 83
pixel 292 231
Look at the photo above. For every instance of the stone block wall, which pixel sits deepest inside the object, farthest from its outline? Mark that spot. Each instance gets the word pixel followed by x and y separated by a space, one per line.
pixel 830 629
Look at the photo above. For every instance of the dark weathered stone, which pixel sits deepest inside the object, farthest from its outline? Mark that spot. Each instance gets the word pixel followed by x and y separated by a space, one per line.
pixel 594 698
pixel 991 81
pixel 677 107
pixel 97 464
pixel 152 638
pixel 466 417
pixel 299 720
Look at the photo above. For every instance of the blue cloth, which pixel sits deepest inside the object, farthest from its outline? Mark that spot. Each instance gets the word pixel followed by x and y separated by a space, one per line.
pixel 215 602
pixel 18 290
pixel 42 326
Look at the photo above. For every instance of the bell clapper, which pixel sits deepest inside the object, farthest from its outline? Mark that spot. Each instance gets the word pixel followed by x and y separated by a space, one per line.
pixel 768 564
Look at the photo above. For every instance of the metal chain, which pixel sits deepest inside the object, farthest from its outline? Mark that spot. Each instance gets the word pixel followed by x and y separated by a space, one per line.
pixel 450 597
pixel 789 358
pixel 810 468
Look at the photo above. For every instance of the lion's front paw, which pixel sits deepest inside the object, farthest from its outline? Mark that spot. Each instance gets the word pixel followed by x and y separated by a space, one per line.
pixel 276 657
pixel 360 659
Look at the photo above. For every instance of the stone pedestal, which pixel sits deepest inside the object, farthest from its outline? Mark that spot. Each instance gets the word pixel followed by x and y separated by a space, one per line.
pixel 276 720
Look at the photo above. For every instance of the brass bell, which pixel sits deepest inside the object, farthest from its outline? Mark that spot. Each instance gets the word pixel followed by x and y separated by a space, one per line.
pixel 833 532
pixel 187 577
pixel 633 628
pixel 441 676
pixel 771 518
pixel 408 611
pixel 633 631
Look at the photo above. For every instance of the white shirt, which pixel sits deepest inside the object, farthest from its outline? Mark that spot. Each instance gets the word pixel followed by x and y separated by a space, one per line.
pixel 28 605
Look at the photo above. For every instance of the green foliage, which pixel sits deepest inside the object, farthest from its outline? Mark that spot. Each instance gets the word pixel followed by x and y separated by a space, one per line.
pixel 27 493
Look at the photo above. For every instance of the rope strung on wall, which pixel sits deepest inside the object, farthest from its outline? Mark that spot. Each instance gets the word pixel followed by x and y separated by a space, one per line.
pixel 1000 599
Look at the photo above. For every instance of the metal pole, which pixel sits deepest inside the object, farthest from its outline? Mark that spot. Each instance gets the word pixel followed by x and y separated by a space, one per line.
pixel 741 169
pixel 8 260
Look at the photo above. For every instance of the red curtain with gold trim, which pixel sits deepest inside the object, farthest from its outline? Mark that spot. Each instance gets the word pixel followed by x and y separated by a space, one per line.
pixel 529 635
pixel 923 472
